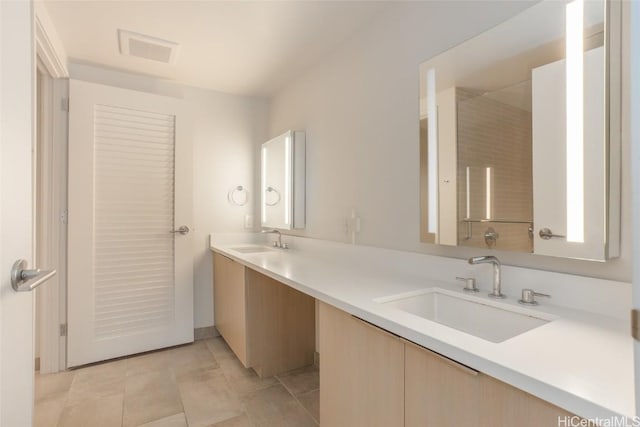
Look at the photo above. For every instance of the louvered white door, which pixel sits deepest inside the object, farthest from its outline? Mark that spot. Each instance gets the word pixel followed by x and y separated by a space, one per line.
pixel 130 280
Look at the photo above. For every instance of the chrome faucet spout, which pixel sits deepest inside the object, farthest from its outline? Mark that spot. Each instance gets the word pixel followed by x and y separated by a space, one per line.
pixel 497 282
pixel 278 243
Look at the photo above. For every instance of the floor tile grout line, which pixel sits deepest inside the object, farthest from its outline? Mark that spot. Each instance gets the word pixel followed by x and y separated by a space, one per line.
pixel 278 381
pixel 184 411
pixel 66 397
pixel 295 397
pixel 224 375
pixel 305 408
pixel 124 392
pixel 124 387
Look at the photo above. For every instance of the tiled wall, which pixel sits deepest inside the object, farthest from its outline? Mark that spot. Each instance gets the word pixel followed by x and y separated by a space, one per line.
pixel 495 135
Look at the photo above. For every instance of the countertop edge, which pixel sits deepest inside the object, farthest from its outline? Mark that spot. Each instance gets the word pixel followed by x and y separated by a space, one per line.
pixel 554 395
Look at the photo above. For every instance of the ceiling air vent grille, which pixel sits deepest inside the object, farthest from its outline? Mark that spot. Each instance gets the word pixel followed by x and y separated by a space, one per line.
pixel 147 47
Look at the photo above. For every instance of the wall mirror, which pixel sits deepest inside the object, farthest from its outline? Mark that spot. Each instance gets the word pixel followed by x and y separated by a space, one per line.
pixel 283 181
pixel 520 135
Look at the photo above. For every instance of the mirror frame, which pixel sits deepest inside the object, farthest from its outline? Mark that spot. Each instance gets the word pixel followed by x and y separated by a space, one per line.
pixel 611 139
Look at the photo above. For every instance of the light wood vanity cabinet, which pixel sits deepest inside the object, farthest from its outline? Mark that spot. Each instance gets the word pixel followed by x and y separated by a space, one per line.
pixel 282 322
pixel 508 406
pixel 361 372
pixel 442 392
pixel 438 391
pixel 229 309
pixel 370 377
pixel 268 325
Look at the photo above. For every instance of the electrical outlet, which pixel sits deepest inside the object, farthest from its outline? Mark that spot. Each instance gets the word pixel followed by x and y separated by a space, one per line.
pixel 353 226
pixel 248 221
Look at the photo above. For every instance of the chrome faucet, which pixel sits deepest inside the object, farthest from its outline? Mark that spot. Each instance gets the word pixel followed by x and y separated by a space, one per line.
pixel 277 243
pixel 496 293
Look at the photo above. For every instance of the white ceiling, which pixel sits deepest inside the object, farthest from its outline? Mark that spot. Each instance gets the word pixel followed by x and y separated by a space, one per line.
pixel 240 47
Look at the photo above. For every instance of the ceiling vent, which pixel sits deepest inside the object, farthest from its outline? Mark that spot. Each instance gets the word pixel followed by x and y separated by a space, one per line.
pixel 147 47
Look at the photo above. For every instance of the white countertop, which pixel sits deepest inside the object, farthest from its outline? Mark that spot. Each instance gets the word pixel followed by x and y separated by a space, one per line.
pixel 582 361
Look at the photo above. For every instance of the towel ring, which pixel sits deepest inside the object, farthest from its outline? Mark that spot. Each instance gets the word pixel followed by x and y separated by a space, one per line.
pixel 272 190
pixel 238 196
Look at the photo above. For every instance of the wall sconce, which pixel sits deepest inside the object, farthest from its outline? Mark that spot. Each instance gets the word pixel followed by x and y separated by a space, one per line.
pixel 575 117
pixel 432 153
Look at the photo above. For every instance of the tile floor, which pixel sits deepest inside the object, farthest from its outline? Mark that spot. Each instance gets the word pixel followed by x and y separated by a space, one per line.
pixel 196 385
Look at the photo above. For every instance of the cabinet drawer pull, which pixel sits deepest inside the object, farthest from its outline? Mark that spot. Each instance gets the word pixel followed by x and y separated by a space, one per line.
pixel 224 256
pixel 445 359
pixel 377 328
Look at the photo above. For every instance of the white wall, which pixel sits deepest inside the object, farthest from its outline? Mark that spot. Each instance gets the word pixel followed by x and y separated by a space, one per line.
pixel 359 108
pixel 226 132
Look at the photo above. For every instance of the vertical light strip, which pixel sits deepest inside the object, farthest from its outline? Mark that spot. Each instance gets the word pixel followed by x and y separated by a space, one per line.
pixel 468 192
pixel 487 183
pixel 264 185
pixel 432 152
pixel 288 180
pixel 575 117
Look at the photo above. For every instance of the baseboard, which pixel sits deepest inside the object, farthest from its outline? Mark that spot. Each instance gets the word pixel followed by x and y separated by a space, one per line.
pixel 205 333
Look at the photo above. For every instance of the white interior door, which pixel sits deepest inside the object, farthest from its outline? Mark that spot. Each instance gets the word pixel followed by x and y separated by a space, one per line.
pixel 16 217
pixel 130 277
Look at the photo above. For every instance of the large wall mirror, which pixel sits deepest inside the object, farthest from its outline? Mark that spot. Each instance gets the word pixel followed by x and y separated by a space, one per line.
pixel 282 181
pixel 520 135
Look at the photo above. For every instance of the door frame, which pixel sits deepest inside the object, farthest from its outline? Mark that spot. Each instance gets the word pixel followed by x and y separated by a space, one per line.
pixel 49 48
pixel 634 141
pixel 51 307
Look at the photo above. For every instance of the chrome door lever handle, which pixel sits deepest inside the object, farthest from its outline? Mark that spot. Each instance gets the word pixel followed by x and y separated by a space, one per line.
pixel 24 280
pixel 546 234
pixel 183 229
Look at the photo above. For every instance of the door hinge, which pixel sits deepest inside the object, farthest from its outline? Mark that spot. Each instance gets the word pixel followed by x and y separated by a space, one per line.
pixel 64 216
pixel 635 324
pixel 64 104
pixel 63 329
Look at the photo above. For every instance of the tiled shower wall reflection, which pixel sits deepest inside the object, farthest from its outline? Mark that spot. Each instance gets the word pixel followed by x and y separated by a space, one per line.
pixel 493 134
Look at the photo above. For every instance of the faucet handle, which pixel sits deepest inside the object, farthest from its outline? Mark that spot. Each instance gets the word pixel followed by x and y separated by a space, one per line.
pixel 469 284
pixel 529 297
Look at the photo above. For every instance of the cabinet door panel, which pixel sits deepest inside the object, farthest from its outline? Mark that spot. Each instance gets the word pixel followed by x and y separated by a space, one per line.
pixel 361 373
pixel 281 325
pixel 229 304
pixel 509 406
pixel 438 391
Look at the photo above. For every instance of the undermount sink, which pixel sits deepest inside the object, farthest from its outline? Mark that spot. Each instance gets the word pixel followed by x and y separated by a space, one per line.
pixel 252 249
pixel 493 322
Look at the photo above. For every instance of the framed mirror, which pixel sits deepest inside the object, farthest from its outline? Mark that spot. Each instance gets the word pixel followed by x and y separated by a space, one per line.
pixel 283 181
pixel 520 135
